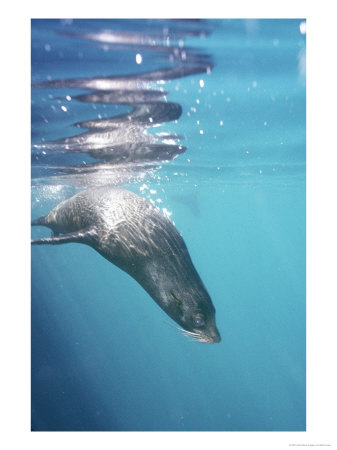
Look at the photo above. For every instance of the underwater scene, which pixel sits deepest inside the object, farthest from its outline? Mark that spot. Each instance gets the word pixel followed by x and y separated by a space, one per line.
pixel 174 152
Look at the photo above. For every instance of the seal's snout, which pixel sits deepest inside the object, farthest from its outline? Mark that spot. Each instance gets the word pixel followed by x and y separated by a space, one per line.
pixel 214 337
pixel 209 337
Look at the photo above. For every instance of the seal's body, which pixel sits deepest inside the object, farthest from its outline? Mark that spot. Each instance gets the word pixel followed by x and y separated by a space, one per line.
pixel 137 238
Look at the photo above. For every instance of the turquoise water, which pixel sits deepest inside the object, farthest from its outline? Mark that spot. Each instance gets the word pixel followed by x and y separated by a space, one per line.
pixel 104 356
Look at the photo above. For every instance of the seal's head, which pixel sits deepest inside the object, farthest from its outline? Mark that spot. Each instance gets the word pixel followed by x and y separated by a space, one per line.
pixel 179 291
pixel 196 316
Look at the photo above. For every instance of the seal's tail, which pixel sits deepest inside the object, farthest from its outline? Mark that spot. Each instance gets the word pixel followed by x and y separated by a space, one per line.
pixel 39 221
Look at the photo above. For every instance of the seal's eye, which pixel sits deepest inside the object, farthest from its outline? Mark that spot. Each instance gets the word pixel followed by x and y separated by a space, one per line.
pixel 198 321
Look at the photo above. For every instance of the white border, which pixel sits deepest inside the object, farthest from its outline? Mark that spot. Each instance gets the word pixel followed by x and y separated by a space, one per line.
pixel 321 224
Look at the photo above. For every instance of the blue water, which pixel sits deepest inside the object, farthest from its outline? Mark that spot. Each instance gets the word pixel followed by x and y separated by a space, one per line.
pixel 104 356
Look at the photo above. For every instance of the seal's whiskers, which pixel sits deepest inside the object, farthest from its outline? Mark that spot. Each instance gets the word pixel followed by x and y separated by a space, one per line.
pixel 186 333
pixel 193 336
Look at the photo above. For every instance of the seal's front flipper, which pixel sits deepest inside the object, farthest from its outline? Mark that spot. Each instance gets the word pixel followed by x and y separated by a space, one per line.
pixel 82 237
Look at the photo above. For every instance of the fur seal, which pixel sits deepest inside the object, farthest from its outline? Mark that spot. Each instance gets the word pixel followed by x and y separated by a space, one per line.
pixel 136 237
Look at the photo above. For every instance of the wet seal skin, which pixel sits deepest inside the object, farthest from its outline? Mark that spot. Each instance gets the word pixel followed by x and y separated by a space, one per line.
pixel 139 239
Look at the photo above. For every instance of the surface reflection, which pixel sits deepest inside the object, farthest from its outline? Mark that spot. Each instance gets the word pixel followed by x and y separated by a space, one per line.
pixel 123 140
